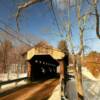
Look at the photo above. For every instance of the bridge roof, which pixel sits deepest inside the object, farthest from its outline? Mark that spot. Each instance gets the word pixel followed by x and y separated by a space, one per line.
pixel 45 50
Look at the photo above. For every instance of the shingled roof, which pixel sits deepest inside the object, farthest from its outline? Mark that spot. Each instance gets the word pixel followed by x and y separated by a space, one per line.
pixel 43 48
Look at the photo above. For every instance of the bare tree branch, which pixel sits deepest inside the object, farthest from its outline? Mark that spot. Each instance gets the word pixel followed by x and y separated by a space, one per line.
pixel 97 23
pixel 86 14
pixel 23 6
pixel 94 3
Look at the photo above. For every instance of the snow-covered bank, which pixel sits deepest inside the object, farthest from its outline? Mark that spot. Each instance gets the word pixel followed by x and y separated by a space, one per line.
pixel 11 76
pixel 91 89
pixel 56 95
pixel 4 77
pixel 87 74
pixel 91 85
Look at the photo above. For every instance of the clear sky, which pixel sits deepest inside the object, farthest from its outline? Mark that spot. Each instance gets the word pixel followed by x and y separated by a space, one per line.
pixel 39 20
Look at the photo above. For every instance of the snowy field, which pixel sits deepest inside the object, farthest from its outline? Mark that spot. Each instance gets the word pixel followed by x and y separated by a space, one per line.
pixel 91 85
pixel 91 89
pixel 11 76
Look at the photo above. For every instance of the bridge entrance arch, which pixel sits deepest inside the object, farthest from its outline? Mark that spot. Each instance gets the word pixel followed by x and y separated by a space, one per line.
pixel 43 62
pixel 42 66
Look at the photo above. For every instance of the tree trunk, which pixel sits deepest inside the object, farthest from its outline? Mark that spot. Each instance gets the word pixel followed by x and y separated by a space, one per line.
pixel 79 79
pixel 78 76
pixel 78 60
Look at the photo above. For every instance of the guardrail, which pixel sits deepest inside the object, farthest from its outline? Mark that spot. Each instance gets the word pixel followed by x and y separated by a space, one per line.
pixel 11 81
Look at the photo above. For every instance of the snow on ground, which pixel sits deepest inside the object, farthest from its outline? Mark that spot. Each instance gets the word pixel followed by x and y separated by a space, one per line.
pixel 56 95
pixel 4 77
pixel 86 73
pixel 11 76
pixel 91 89
pixel 91 85
pixel 12 85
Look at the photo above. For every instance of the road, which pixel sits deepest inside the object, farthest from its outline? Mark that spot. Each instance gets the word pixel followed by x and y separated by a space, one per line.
pixel 39 91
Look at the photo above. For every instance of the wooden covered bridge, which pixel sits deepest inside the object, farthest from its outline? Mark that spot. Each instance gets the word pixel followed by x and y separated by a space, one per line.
pixel 43 61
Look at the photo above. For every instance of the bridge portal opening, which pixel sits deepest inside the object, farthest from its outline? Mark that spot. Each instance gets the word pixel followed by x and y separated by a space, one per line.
pixel 42 66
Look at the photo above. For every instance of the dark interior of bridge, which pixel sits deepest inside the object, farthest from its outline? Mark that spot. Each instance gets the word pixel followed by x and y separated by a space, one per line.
pixel 43 66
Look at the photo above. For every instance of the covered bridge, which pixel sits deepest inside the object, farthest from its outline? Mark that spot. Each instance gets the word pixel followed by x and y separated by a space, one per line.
pixel 43 61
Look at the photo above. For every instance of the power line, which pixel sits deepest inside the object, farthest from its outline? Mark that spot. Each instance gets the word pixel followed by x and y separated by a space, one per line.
pixel 62 20
pixel 24 41
pixel 53 12
pixel 17 32
pixel 2 22
pixel 11 29
pixel 56 17
pixel 14 36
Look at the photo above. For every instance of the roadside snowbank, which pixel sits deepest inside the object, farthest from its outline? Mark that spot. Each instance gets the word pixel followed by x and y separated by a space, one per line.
pixel 86 73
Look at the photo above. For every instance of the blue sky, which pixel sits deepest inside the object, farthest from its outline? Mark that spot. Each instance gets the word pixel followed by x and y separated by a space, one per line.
pixel 40 21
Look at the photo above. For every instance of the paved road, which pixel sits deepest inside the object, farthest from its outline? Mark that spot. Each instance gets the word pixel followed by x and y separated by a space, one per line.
pixel 40 91
pixel 71 90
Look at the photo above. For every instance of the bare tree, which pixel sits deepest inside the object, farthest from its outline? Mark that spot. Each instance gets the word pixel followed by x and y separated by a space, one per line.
pixel 94 4
pixel 21 7
pixel 77 59
pixel 6 46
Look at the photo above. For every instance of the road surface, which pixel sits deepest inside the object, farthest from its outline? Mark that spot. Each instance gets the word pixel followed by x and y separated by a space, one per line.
pixel 39 91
